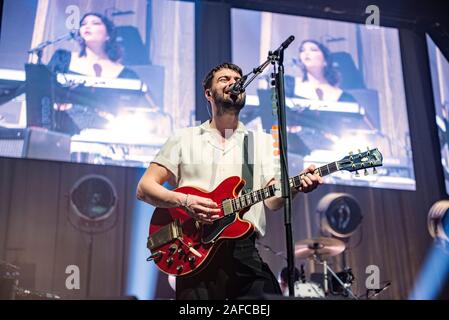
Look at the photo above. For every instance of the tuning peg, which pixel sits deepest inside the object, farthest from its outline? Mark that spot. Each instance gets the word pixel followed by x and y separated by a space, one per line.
pixel 357 174
pixel 360 151
pixel 374 171
pixel 351 153
pixel 365 172
pixel 367 149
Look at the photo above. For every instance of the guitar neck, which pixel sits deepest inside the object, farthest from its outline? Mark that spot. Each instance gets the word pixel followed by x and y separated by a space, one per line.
pixel 253 197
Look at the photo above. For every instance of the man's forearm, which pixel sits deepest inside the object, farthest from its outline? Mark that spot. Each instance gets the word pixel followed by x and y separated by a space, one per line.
pixel 153 193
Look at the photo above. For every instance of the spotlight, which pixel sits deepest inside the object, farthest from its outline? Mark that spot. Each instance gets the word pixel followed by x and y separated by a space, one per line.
pixel 339 214
pixel 438 220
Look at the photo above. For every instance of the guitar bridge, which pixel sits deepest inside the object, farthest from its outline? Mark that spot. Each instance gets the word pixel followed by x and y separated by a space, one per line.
pixel 165 235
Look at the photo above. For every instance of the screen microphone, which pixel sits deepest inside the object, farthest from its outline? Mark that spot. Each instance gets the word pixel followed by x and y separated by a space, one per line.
pixel 73 34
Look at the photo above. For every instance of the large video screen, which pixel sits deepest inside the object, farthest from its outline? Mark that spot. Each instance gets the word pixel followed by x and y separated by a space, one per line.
pixel 439 69
pixel 344 92
pixel 96 82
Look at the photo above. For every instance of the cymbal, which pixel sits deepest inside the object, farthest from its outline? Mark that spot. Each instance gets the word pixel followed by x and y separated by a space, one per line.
pixel 322 247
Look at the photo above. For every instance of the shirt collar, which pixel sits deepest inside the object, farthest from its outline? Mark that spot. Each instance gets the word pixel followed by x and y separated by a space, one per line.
pixel 205 126
pixel 231 143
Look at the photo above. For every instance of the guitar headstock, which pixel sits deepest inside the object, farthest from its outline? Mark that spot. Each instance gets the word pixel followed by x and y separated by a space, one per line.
pixel 371 158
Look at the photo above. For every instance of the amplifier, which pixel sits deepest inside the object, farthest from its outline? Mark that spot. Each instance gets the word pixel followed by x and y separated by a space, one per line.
pixel 34 143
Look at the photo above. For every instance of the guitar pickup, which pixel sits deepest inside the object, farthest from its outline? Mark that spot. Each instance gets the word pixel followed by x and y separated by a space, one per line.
pixel 166 234
pixel 227 207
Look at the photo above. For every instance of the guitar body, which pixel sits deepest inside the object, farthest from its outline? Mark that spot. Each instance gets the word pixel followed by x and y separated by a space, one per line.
pixel 180 245
pixel 190 250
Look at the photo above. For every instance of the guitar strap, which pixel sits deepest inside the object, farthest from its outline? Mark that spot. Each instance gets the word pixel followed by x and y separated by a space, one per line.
pixel 248 161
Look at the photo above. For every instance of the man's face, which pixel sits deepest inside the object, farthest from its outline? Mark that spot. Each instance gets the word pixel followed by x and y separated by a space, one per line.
pixel 220 91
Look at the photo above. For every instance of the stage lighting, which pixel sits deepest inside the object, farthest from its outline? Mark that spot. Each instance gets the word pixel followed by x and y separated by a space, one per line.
pixel 339 214
pixel 438 220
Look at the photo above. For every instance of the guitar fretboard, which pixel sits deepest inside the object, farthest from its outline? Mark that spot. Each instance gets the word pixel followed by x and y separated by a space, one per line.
pixel 253 197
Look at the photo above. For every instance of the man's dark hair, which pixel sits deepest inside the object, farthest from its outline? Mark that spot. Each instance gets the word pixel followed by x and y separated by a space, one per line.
pixel 207 82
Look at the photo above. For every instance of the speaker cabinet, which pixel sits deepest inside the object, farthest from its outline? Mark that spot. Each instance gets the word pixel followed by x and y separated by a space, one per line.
pixel 34 143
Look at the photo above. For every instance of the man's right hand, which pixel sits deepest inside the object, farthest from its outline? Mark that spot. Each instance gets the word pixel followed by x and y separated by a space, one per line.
pixel 202 209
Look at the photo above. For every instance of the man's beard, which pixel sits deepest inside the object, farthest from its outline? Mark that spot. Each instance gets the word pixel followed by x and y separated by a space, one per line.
pixel 228 103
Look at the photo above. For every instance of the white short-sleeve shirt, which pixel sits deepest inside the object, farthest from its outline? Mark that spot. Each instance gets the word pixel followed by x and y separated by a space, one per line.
pixel 197 158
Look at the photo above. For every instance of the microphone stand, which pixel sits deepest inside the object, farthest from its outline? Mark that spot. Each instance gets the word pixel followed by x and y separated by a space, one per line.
pixel 38 49
pixel 35 79
pixel 276 58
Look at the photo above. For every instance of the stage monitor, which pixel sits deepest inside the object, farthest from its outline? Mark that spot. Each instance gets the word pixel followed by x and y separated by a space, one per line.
pixel 58 101
pixel 439 70
pixel 344 91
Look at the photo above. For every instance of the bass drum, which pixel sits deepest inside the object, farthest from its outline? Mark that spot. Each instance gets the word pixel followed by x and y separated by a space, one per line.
pixel 308 290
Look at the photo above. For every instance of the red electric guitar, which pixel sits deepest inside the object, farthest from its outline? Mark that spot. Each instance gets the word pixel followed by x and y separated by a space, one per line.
pixel 180 245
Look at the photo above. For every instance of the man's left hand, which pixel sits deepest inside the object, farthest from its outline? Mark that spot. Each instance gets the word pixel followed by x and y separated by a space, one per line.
pixel 310 180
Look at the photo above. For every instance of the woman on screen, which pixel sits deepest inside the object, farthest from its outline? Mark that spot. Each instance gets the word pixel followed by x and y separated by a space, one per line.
pixel 320 79
pixel 99 54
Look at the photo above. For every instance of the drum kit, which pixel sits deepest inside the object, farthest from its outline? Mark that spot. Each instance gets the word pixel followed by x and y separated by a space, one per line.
pixel 320 250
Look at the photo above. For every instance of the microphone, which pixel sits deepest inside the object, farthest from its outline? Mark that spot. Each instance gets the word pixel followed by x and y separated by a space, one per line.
pixel 69 36
pixel 285 44
pixel 73 34
pixel 237 87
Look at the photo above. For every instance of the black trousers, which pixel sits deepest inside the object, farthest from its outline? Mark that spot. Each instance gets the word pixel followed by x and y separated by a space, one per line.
pixel 236 271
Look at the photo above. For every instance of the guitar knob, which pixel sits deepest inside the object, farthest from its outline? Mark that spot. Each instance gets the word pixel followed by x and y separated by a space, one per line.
pixel 172 249
pixel 191 259
pixel 181 252
pixel 179 268
pixel 155 256
pixel 170 261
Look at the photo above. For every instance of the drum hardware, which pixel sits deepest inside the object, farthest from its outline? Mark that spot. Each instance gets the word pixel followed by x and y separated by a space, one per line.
pixel 318 250
pixel 371 293
pixel 346 286
pixel 11 290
